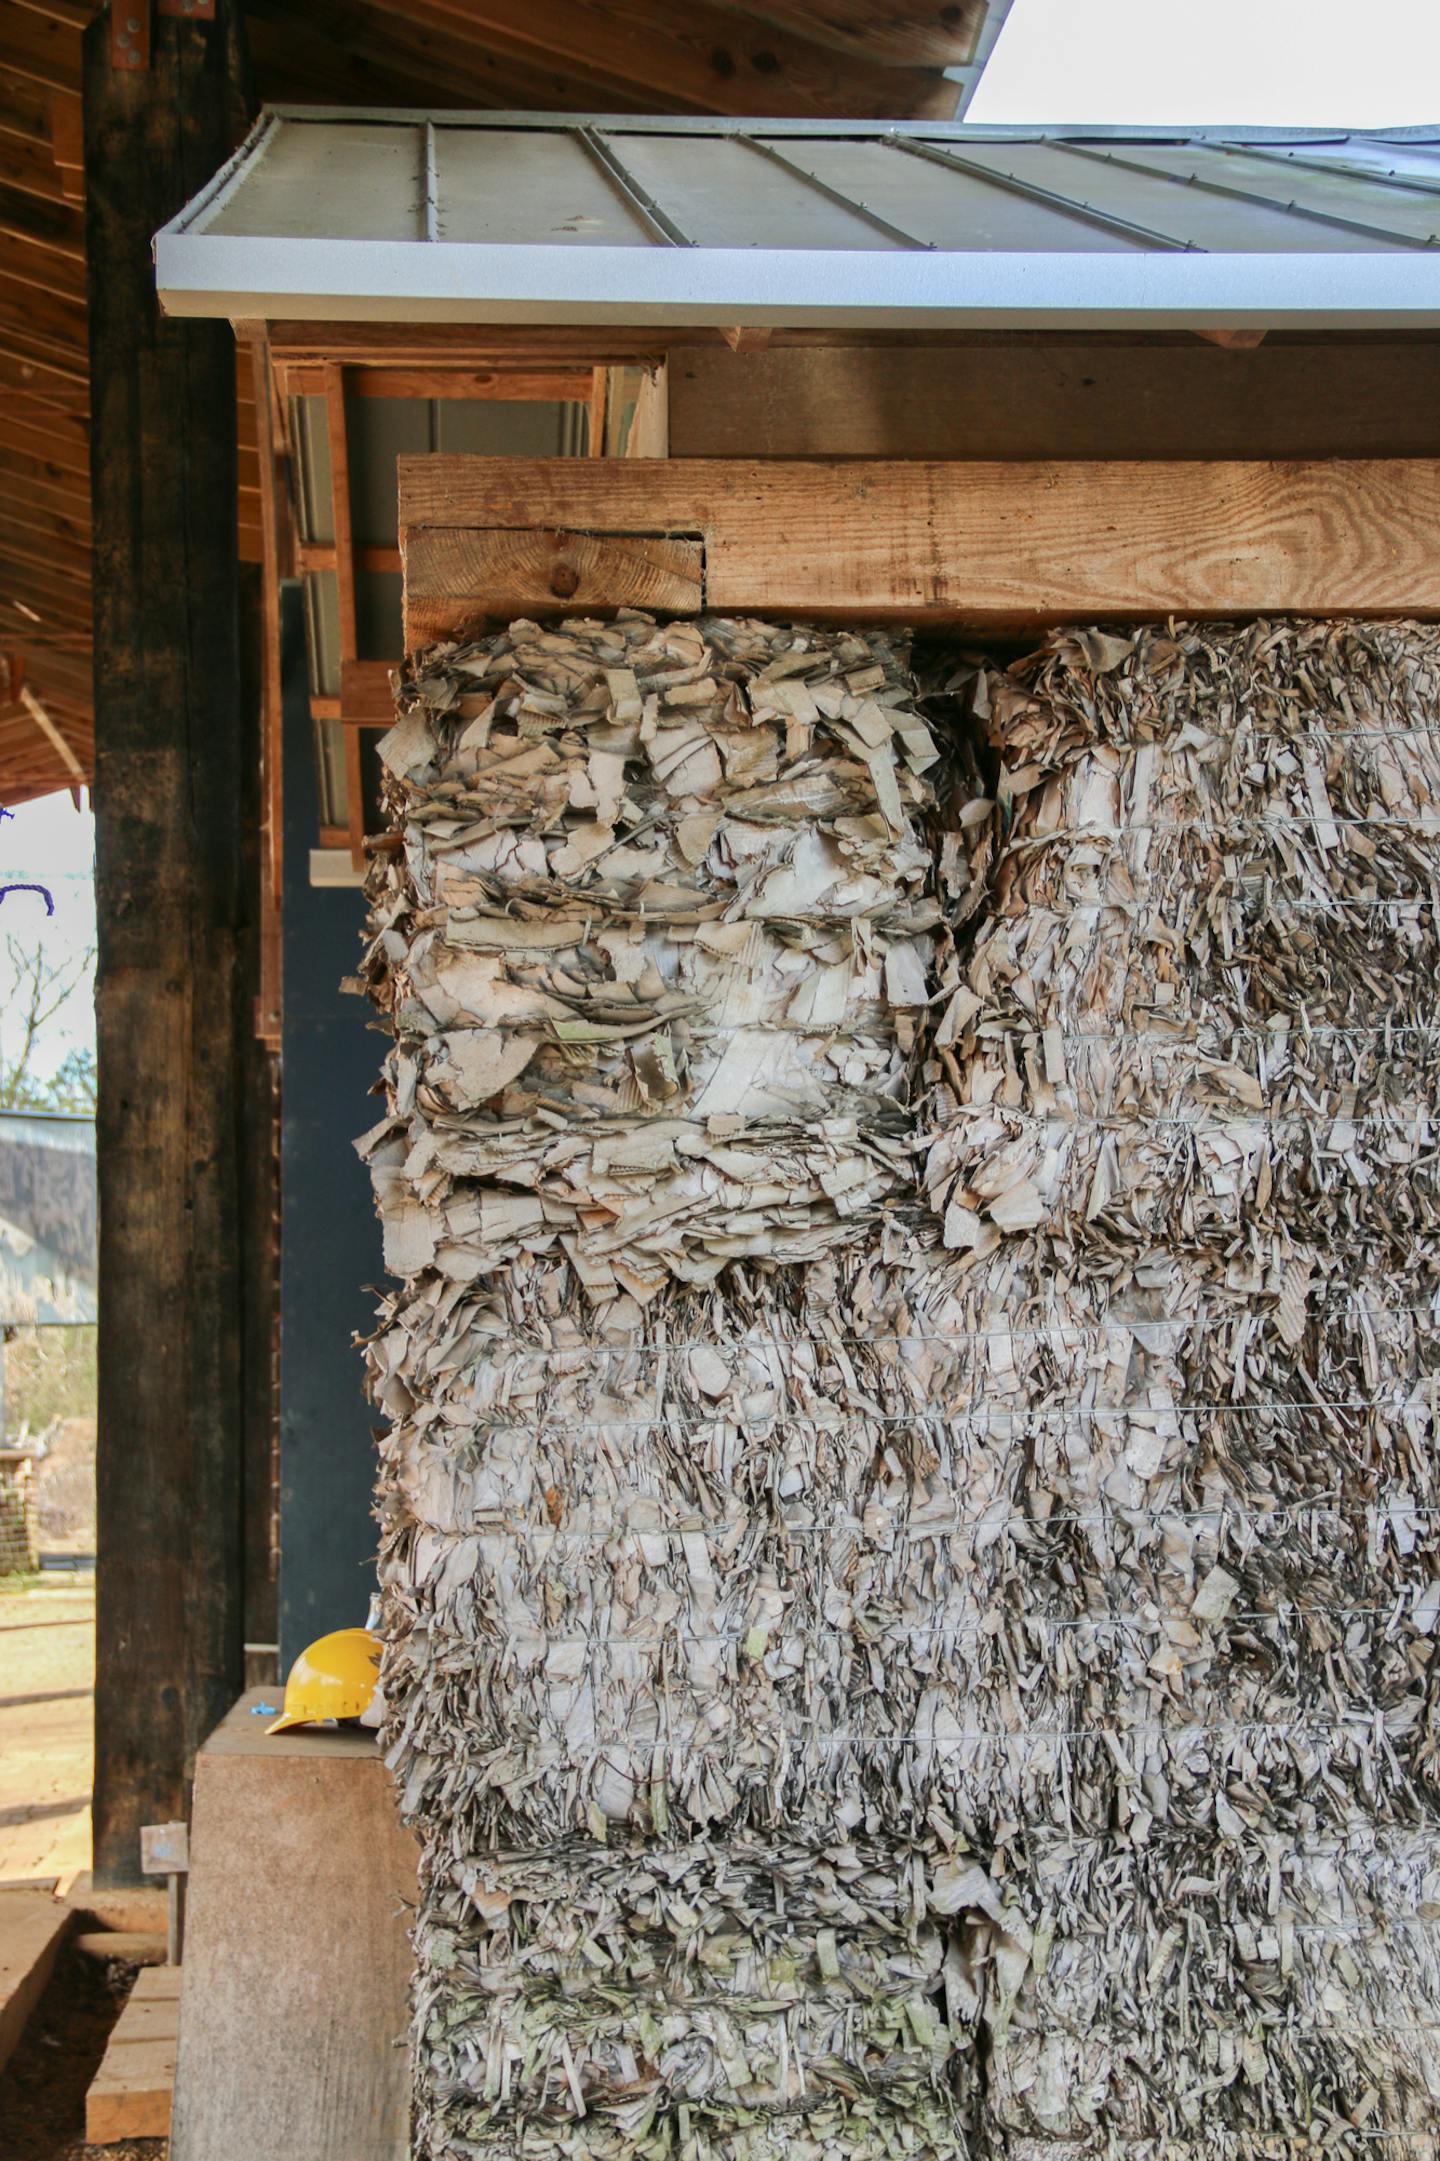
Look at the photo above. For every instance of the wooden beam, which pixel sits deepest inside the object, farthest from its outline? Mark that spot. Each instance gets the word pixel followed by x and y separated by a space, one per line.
pixel 35 708
pixel 174 743
pixel 457 580
pixel 366 698
pixel 534 386
pixel 470 345
pixel 884 34
pixel 348 51
pixel 324 555
pixel 703 58
pixel 598 401
pixel 1022 544
pixel 276 550
pixel 342 528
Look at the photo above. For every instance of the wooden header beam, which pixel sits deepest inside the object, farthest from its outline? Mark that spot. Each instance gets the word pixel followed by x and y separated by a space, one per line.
pixel 981 544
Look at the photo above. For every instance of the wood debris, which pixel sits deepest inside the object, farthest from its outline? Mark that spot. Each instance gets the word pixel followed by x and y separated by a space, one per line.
pixel 909 1514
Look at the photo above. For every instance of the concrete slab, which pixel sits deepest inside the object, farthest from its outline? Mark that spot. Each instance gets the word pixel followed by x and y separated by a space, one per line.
pixel 293 2006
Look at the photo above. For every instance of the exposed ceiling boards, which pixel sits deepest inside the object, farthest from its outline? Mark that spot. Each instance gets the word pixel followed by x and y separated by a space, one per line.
pixel 781 56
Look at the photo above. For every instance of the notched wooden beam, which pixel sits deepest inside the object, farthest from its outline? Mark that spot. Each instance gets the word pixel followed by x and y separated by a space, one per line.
pixel 457 579
pixel 975 543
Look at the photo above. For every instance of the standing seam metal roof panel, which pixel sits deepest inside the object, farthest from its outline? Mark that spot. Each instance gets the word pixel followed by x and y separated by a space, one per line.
pixel 528 217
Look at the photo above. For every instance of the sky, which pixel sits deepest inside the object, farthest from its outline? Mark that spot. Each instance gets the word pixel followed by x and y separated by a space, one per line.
pixel 1261 62
pixel 51 843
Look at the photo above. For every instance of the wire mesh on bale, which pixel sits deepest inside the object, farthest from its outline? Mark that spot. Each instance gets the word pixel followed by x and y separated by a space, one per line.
pixel 908 1513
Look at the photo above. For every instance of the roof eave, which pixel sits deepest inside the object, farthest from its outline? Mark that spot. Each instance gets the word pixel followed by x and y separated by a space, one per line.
pixel 473 282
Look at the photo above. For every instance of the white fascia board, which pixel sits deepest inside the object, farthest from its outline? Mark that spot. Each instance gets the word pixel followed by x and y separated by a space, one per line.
pixel 470 282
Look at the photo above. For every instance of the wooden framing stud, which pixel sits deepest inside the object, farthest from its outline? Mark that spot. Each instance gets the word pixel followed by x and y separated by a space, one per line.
pixel 345 594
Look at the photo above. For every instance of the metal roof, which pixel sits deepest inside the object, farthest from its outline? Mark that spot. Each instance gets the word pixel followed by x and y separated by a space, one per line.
pixel 541 218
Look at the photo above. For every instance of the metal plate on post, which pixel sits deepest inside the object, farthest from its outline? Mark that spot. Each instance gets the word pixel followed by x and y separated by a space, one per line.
pixel 129 34
pixel 164 1849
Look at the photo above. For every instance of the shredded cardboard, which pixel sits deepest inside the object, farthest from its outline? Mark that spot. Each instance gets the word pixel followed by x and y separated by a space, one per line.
pixel 908 1508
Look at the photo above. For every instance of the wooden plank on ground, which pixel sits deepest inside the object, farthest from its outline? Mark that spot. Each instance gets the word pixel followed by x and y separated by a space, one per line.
pixel 505 574
pixel 965 543
pixel 33 1924
pixel 131 2094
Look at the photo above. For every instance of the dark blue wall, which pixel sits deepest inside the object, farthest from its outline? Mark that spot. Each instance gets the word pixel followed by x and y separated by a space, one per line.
pixel 329 1235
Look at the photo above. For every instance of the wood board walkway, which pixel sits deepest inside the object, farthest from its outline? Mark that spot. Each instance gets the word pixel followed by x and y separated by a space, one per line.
pixel 33 1924
pixel 131 2093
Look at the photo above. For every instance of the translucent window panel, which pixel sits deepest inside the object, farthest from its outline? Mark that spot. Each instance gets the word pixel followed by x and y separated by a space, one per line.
pixel 334 180
pixel 379 621
pixel 501 429
pixel 382 430
pixel 311 433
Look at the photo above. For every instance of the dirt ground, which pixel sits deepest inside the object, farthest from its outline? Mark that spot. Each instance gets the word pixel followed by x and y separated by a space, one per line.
pixel 65 1488
pixel 43 2087
pixel 47 1666
pixel 47 1670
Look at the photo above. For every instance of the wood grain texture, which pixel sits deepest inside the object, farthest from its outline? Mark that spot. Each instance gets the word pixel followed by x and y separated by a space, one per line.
pixel 457 580
pixel 174 746
pixel 985 543
pixel 131 2094
pixel 296 1959
pixel 888 35
pixel 1100 400
pixel 366 698
pixel 33 1925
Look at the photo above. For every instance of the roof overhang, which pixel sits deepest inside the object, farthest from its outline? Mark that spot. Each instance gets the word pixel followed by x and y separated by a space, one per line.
pixel 209 264
pixel 460 282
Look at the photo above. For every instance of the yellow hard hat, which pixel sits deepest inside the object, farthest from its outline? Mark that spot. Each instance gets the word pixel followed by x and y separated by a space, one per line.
pixel 337 1677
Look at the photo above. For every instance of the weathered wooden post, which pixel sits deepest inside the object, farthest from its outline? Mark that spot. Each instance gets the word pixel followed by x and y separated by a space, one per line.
pixel 162 103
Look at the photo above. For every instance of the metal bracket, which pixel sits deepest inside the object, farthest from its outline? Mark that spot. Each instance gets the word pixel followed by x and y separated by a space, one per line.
pixel 165 1851
pixel 129 34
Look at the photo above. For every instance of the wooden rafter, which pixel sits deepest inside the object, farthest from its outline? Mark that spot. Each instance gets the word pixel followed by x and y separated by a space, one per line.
pixel 36 709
